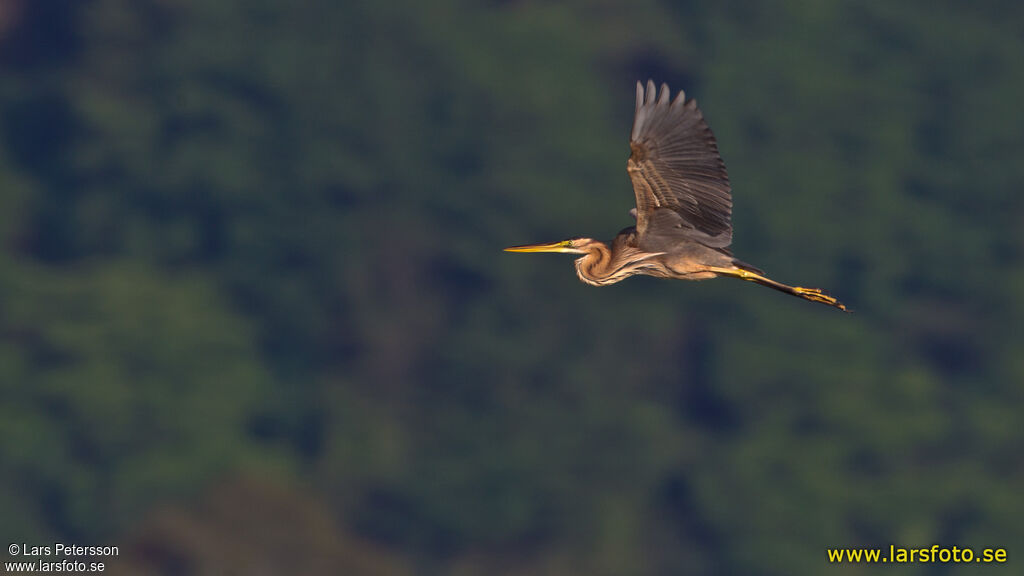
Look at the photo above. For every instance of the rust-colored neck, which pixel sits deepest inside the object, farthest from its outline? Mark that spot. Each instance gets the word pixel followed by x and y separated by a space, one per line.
pixel 596 266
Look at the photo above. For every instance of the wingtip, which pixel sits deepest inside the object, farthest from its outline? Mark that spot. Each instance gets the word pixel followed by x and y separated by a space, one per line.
pixel 651 93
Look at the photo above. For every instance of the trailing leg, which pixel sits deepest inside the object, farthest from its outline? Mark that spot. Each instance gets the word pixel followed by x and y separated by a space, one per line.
pixel 812 294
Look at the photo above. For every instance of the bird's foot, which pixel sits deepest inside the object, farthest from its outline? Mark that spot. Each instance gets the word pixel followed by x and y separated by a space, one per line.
pixel 818 295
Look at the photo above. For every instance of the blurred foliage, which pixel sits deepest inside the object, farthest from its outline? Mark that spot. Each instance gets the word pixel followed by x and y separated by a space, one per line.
pixel 248 526
pixel 121 385
pixel 262 238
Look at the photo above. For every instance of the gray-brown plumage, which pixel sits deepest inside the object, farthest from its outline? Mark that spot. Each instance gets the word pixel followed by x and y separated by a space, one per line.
pixel 683 206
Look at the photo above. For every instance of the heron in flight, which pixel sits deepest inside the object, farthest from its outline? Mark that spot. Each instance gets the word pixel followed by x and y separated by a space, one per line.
pixel 683 206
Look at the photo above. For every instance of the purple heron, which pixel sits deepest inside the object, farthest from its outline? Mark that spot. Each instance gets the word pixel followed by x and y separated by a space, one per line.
pixel 683 206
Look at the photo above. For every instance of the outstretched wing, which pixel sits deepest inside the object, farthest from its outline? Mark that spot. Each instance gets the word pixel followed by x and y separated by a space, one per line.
pixel 682 188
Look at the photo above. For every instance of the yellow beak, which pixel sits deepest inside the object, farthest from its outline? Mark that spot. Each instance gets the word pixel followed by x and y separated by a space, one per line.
pixel 564 246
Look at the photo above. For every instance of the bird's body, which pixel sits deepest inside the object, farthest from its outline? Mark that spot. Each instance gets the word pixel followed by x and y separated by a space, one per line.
pixel 683 206
pixel 602 265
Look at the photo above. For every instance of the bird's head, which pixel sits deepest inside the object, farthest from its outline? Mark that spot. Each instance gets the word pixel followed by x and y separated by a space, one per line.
pixel 572 246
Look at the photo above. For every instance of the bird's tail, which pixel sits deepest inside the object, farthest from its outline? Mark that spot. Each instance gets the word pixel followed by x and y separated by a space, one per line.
pixel 749 273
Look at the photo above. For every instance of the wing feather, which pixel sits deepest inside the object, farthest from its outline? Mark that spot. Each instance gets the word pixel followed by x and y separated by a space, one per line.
pixel 675 165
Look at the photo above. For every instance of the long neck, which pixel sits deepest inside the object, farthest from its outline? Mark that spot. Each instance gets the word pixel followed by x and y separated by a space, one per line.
pixel 596 267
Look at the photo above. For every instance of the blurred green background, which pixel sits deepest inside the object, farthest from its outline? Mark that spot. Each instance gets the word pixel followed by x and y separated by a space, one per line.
pixel 254 317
